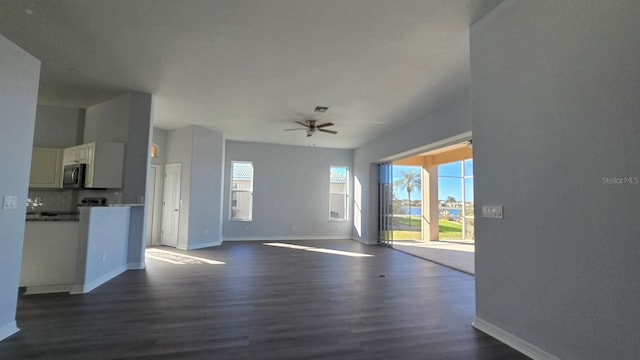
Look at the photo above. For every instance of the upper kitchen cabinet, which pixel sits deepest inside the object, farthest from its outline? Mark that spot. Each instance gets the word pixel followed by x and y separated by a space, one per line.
pixel 105 165
pixel 46 168
pixel 75 155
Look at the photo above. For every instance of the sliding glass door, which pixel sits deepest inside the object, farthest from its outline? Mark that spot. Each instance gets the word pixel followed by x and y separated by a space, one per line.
pixel 385 204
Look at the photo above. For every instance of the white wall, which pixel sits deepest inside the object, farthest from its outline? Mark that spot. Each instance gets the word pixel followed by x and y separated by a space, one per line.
pixel 179 150
pixel 136 169
pixel 449 124
pixel 205 223
pixel 200 151
pixel 108 121
pixel 102 246
pixel 128 119
pixel 290 192
pixel 160 139
pixel 137 158
pixel 58 127
pixel 19 76
pixel 555 88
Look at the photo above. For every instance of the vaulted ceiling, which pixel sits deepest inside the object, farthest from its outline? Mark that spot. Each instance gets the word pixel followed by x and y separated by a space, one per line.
pixel 250 68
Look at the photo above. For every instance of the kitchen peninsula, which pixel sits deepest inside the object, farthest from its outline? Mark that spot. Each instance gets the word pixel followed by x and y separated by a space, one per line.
pixel 76 254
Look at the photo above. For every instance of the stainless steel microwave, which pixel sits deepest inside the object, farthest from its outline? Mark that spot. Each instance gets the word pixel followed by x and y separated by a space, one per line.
pixel 73 176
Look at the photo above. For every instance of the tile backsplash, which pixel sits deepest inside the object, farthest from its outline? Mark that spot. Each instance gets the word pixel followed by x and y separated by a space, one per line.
pixel 46 200
pixel 67 200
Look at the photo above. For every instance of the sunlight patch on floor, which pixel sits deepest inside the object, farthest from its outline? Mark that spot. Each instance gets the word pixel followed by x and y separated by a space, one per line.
pixel 178 259
pixel 320 250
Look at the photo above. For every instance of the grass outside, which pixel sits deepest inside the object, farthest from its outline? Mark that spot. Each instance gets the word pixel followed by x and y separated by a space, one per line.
pixel 415 221
pixel 449 230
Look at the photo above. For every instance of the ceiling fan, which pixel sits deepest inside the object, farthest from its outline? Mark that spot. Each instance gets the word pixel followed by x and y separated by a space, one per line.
pixel 311 126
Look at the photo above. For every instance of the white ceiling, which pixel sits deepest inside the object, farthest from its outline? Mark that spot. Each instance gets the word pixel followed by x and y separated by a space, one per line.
pixel 249 68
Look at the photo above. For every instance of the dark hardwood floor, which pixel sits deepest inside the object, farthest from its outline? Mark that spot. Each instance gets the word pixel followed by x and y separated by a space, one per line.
pixel 264 303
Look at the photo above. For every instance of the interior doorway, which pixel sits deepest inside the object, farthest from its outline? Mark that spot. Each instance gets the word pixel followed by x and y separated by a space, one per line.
pixel 171 204
pixel 153 205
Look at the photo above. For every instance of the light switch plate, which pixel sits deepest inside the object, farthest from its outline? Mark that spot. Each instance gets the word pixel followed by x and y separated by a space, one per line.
pixel 10 202
pixel 492 212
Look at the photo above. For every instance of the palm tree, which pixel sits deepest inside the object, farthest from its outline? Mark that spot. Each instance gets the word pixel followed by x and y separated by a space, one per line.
pixel 410 180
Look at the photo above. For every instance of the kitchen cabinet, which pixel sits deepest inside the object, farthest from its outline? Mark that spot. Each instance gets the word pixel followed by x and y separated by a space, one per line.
pixel 49 256
pixel 46 168
pixel 75 155
pixel 105 165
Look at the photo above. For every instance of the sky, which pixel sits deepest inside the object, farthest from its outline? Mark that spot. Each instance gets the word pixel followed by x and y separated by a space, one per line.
pixel 401 194
pixel 447 186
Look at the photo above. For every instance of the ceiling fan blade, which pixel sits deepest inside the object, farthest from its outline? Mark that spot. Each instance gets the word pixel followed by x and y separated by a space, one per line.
pixel 295 129
pixel 324 125
pixel 328 131
pixel 301 123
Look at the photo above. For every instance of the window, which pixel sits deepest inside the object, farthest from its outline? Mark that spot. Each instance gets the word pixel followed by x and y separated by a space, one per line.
pixel 339 190
pixel 154 150
pixel 241 191
pixel 455 197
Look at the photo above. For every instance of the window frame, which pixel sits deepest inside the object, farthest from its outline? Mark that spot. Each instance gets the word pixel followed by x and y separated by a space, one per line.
pixel 346 194
pixel 463 177
pixel 233 190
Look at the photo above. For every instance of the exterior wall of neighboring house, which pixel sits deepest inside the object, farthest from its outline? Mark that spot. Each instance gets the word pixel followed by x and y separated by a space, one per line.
pixel 339 199
pixel 241 201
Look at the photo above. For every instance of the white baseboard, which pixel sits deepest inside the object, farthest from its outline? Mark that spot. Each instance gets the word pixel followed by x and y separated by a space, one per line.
pixel 87 287
pixel 136 266
pixel 515 342
pixel 202 245
pixel 8 330
pixel 48 289
pixel 288 238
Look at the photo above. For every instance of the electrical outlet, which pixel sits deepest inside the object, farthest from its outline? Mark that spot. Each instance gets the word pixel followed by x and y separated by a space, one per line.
pixel 10 202
pixel 492 212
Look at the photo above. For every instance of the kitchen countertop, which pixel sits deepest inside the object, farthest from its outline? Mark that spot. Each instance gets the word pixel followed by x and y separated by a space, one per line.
pixel 53 216
pixel 66 215
pixel 48 219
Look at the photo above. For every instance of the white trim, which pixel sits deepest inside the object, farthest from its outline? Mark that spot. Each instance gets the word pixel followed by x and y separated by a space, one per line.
pixel 47 289
pixel 136 266
pixel 87 287
pixel 433 146
pixel 202 245
pixel 8 330
pixel 288 238
pixel 515 342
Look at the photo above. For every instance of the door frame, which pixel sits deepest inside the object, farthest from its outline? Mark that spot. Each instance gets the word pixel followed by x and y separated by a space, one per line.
pixel 155 207
pixel 164 205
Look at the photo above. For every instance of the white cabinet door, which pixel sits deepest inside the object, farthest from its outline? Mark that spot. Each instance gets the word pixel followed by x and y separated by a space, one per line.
pixel 75 155
pixel 81 154
pixel 70 156
pixel 46 168
pixel 104 163
pixel 90 150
